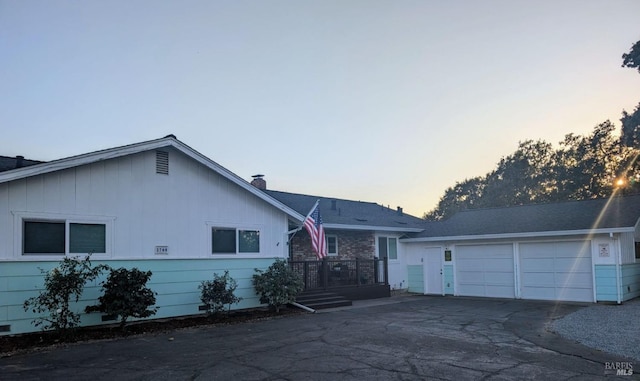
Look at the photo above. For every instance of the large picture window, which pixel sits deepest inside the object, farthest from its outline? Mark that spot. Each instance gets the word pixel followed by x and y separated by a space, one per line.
pixel 233 241
pixel 63 237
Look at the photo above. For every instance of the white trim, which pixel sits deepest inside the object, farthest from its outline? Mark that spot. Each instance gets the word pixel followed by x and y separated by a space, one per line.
pixel 116 152
pixel 337 253
pixel 19 217
pixel 372 227
pixel 558 233
pixel 237 227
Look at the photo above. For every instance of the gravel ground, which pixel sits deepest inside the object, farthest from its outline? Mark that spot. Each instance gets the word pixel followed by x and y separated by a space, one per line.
pixel 610 328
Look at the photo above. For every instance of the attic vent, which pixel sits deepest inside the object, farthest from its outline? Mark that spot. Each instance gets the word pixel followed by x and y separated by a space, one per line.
pixel 162 162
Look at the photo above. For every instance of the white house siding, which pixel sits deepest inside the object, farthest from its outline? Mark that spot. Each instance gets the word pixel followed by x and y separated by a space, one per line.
pixel 143 210
pixel 627 248
pixel 397 268
pixel 590 276
pixel 147 209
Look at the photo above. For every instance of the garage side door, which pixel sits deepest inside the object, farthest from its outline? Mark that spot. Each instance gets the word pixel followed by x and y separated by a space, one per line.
pixel 485 270
pixel 556 271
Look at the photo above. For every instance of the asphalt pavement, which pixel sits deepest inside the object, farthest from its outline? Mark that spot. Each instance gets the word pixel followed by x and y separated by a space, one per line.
pixel 398 338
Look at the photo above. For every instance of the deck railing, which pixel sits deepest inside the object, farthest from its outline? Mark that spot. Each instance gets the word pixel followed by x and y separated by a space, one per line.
pixel 329 273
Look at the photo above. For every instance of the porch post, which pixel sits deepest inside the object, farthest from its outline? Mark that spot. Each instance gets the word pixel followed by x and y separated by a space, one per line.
pixel 357 272
pixel 325 273
pixel 376 265
pixel 386 271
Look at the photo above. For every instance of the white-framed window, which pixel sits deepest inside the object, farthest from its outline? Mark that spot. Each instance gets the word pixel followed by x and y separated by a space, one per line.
pixel 59 235
pixel 388 248
pixel 226 240
pixel 332 245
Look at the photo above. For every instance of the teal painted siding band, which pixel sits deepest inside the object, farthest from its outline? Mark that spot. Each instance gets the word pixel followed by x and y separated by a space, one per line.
pixel 175 280
pixel 448 280
pixel 630 281
pixel 416 279
pixel 606 285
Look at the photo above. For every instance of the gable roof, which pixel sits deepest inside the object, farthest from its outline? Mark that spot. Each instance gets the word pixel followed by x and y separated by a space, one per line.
pixel 615 214
pixel 352 215
pixel 111 153
pixel 8 163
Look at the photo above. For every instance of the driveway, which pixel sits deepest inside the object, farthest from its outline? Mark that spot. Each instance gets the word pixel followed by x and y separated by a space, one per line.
pixel 399 338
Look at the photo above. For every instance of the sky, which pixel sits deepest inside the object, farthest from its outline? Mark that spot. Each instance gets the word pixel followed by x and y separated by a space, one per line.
pixel 383 101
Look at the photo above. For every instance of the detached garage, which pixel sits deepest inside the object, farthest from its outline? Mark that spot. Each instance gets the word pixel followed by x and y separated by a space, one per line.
pixel 582 251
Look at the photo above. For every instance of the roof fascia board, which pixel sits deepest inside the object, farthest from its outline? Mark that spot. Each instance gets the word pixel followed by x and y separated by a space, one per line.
pixel 372 227
pixel 112 153
pixel 87 158
pixel 520 235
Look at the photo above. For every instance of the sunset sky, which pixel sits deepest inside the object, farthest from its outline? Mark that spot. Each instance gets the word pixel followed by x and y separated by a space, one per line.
pixel 383 101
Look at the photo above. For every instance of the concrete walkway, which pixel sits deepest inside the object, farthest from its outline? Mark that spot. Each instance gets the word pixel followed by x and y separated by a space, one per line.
pixel 399 338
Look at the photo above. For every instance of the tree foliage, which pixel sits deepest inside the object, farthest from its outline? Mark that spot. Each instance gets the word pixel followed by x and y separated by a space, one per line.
pixel 582 167
pixel 632 59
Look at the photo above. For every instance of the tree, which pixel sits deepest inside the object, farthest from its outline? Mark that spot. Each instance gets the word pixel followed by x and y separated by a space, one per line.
pixel 632 59
pixel 630 133
pixel 463 195
pixel 583 167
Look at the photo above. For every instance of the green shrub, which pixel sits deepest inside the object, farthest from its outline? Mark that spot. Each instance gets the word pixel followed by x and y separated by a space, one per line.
pixel 278 285
pixel 126 295
pixel 62 285
pixel 219 292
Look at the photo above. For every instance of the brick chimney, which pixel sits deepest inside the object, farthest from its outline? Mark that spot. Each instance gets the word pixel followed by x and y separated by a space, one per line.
pixel 259 182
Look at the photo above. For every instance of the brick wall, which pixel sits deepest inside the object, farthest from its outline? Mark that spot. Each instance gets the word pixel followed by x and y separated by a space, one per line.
pixel 351 245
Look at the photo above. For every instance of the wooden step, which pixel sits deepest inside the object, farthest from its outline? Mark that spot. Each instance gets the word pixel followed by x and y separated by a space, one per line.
pixel 322 299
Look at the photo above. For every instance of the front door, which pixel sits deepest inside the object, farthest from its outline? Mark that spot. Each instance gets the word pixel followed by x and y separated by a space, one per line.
pixel 433 270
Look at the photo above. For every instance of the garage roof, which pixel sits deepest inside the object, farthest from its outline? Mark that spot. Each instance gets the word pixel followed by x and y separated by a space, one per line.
pixel 586 215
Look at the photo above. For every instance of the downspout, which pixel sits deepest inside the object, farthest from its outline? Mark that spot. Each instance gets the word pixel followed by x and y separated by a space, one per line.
pixel 308 309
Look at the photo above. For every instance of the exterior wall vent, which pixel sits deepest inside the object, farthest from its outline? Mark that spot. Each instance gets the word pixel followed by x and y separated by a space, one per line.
pixel 162 162
pixel 5 328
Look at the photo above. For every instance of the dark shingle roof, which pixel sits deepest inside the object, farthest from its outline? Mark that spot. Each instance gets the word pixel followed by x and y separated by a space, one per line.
pixel 347 212
pixel 9 163
pixel 615 212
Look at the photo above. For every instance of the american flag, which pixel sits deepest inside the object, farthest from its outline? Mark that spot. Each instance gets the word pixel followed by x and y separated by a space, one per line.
pixel 313 224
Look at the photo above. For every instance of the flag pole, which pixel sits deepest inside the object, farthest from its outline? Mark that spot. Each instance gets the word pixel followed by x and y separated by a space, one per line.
pixel 294 231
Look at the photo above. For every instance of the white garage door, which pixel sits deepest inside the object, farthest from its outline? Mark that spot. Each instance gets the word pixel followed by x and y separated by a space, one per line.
pixel 556 271
pixel 485 270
